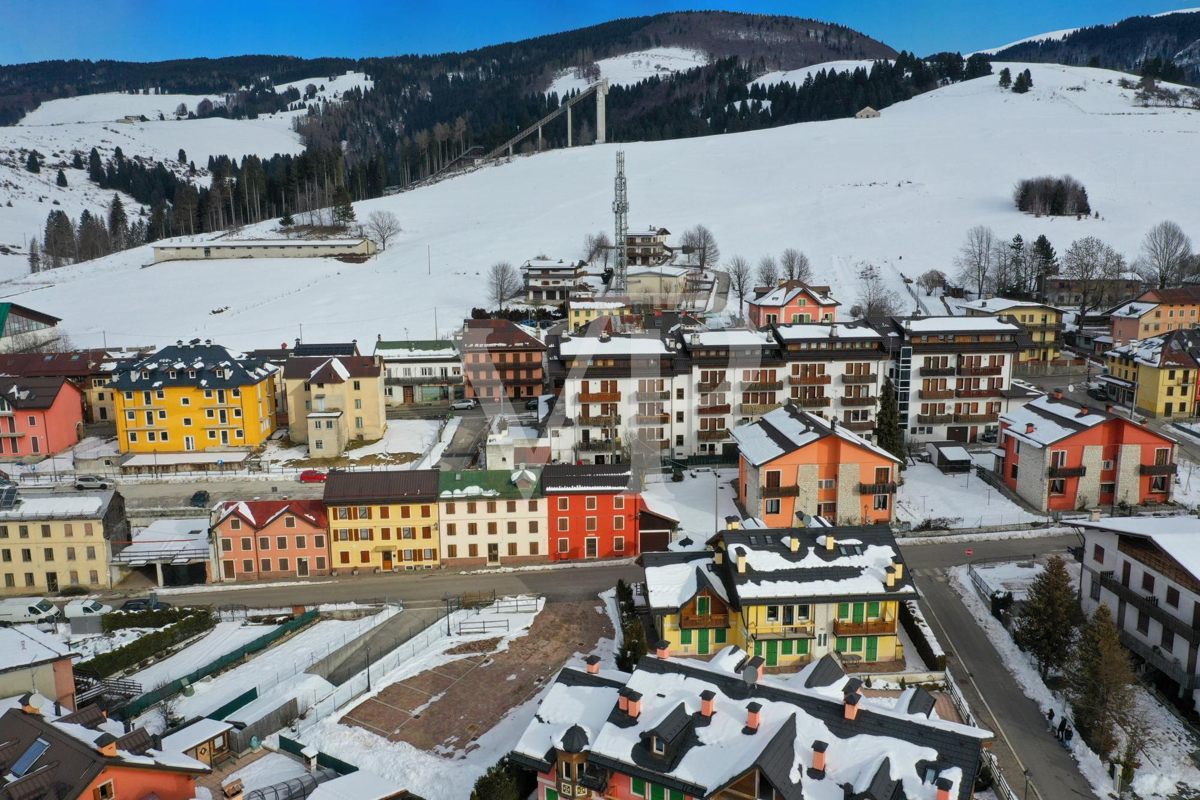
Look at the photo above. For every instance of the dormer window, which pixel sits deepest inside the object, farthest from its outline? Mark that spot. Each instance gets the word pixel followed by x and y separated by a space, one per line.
pixel 658 745
pixel 192 373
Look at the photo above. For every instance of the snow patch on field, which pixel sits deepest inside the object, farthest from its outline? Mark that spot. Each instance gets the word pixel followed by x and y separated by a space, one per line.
pixel 798 76
pixel 928 493
pixel 224 638
pixel 632 68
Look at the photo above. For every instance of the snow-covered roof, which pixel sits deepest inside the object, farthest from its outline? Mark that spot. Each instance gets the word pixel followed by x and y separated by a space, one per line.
pixel 955 453
pixel 1178 537
pixel 659 507
pixel 598 305
pixel 1134 309
pixel 813 331
pixel 729 338
pixel 201 731
pixel 1172 349
pixel 574 699
pixel 360 785
pixel 417 350
pixel 786 294
pixel 612 346
pixel 81 505
pixel 663 271
pixel 1052 420
pixel 786 430
pixel 176 541
pixel 22 645
pixel 673 579
pixel 998 305
pixel 960 324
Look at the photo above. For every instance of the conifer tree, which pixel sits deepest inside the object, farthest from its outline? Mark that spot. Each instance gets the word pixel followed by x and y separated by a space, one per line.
pixel 1044 257
pixel 31 163
pixel 889 433
pixel 343 209
pixel 96 168
pixel 1021 84
pixel 1005 78
pixel 77 162
pixel 35 256
pixel 1099 682
pixel 286 220
pixel 1045 624
pixel 62 179
pixel 117 223
pixel 182 156
pixel 1028 78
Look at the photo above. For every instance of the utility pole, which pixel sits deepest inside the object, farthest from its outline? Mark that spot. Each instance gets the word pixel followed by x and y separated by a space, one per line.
pixel 428 261
pixel 621 214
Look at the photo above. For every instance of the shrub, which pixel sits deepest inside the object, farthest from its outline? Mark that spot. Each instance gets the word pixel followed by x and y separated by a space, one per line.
pixel 147 619
pixel 74 590
pixel 502 781
pixel 197 621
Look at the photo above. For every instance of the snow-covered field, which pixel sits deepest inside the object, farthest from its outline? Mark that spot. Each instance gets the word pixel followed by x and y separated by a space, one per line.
pixel 798 76
pixel 899 191
pixel 1043 37
pixel 632 68
pixel 928 493
pixel 405 440
pixel 224 638
pixel 693 501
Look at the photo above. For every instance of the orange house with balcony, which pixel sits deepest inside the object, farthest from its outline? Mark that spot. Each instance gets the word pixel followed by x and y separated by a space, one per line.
pixel 38 416
pixel 795 465
pixel 1059 456
pixel 500 360
pixel 592 510
pixel 268 539
pixel 792 302
pixel 1155 311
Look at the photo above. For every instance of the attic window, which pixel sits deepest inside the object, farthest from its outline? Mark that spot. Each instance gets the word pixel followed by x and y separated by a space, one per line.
pixel 191 373
pixel 931 775
pixel 26 761
pixel 659 746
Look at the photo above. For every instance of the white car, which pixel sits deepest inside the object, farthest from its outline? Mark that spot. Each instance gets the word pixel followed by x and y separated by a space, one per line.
pixel 85 608
pixel 463 405
pixel 83 482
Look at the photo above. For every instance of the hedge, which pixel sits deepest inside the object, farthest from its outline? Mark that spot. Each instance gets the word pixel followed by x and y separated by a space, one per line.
pixel 197 621
pixel 145 619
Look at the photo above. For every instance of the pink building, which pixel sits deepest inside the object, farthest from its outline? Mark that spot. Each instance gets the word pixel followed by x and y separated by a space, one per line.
pixel 38 416
pixel 792 302
pixel 264 539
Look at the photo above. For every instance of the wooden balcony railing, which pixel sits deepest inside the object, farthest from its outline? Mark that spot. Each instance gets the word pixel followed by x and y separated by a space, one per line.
pixel 936 394
pixel 859 425
pixel 707 388
pixel 934 419
pixel 768 631
pixel 762 386
pixel 652 419
pixel 723 409
pixel 809 380
pixel 812 402
pixel 976 417
pixel 937 372
pixel 871 628
pixel 977 393
pixel 1158 469
pixel 692 621
pixel 760 408
pixel 877 488
pixel 781 491
pixel 600 445
pixel 859 401
pixel 978 371
pixel 602 421
pixel 599 397
pixel 859 378
pixel 1068 472
pixel 713 435
pixel 651 396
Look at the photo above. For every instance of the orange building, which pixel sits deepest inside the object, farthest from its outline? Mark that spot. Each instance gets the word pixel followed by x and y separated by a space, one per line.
pixel 1060 456
pixel 792 302
pixel 1155 311
pixel 500 360
pixel 262 539
pixel 794 465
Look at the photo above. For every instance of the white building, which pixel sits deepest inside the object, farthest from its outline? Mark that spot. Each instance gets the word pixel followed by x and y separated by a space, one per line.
pixel 264 248
pixel 420 371
pixel 548 281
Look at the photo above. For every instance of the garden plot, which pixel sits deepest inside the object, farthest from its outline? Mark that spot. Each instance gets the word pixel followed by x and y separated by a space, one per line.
pixel 691 501
pixel 963 499
pixel 224 638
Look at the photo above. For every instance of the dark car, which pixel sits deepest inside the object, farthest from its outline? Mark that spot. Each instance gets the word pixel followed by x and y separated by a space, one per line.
pixel 1097 394
pixel 143 604
pixel 199 500
pixel 532 405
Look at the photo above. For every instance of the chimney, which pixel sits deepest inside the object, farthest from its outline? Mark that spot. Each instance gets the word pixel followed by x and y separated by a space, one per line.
pixel 833 331
pixel 829 542
pixel 309 754
pixel 694 340
pixel 1108 407
pixel 718 556
pixel 794 543
pixel 623 700
pixel 379 337
pixel 851 705
pixel 732 523
pixel 943 788
pixel 1083 412
pixel 741 563
pixel 706 702
pixel 1058 394
pixel 1029 427
pixel 233 790
pixel 593 665
pixel 662 649
pixel 891 577
pixel 756 663
pixel 1094 515
pixel 753 716
pixel 635 704
pixel 604 337
pixel 106 743
pixel 898 563
pixel 819 749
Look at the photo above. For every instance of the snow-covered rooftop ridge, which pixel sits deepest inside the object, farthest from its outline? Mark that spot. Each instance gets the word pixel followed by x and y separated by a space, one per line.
pixel 598 305
pixel 787 429
pixel 785 294
pixel 1133 309
pixel 1000 304
pixel 811 331
pixel 1178 537
pixel 612 346
pixel 1052 420
pixel 21 645
pixel 673 579
pixel 986 324
pixel 730 337
pixel 89 505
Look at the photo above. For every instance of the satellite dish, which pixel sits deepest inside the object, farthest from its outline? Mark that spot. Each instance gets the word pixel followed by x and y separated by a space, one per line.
pixel 1070 387
pixel 750 675
pixel 36 701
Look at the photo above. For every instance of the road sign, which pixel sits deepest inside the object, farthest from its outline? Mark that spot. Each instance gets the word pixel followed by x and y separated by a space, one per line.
pixel 970 552
pixel 220 462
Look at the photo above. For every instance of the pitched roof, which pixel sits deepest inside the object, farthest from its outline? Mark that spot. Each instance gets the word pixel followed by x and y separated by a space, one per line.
pixel 326 349
pixel 999 305
pixel 260 513
pixel 786 430
pixel 34 393
pixel 1055 420
pixel 595 478
pixel 487 334
pixel 1178 537
pixel 1180 294
pixel 9 309
pixel 674 578
pixel 337 369
pixel 483 484
pixel 1179 348
pixel 76 364
pixel 788 292
pixel 416 349
pixel 208 364
pixel 22 646
pixel 386 486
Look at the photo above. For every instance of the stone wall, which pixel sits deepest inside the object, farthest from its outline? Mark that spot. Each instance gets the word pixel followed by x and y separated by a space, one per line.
pixel 1129 474
pixel 806 479
pixel 849 512
pixel 1088 494
pixel 1032 481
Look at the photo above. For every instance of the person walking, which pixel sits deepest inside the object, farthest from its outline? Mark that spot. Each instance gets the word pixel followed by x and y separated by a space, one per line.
pixel 1062 726
pixel 1068 734
pixel 1050 716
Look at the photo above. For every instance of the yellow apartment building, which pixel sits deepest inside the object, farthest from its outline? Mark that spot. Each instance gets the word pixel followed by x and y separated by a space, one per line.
pixel 1159 374
pixel 383 521
pixel 1042 323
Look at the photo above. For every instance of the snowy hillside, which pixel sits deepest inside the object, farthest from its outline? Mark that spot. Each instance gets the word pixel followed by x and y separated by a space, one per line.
pixel 797 76
pixel 1043 37
pixel 899 191
pixel 632 68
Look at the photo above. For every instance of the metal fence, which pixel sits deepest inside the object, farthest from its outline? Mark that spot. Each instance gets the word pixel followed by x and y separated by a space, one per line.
pixel 323 759
pixel 999 785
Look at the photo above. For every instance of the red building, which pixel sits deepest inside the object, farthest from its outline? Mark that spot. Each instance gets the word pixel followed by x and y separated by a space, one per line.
pixel 501 360
pixel 593 510
pixel 262 539
pixel 38 416
pixel 1060 456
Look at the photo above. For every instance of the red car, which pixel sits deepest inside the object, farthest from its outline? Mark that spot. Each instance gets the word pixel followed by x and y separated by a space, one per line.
pixel 312 476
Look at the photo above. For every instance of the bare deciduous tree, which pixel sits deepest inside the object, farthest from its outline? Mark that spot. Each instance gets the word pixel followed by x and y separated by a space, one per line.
pixel 503 283
pixel 1166 255
pixel 739 279
pixel 974 259
pixel 597 246
pixel 383 225
pixel 875 299
pixel 768 272
pixel 703 244
pixel 1092 263
pixel 931 281
pixel 795 265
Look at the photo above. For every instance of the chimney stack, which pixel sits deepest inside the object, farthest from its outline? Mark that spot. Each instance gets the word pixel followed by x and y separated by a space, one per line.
pixel 741 563
pixel 829 542
pixel 718 556
pixel 662 649
pixel 635 704
pixel 732 523
pixel 593 665
pixel 851 705
pixel 1058 394
pixel 623 700
pixel 819 749
pixel 943 788
pixel 706 702
pixel 31 703
pixel 898 563
pixel 106 743
pixel 1108 407
pixel 794 543
pixel 753 716
pixel 1083 411
pixel 1094 515
pixel 1030 427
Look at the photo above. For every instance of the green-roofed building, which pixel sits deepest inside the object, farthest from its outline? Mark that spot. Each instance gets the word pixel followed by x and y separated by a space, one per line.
pixel 420 371
pixel 492 517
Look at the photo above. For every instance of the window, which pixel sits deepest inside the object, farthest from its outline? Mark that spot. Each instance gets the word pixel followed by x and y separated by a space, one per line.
pixel 533 548
pixel 91 554
pixel 281 543
pixel 773 614
pixel 564 503
pixel 564 524
pixel 564 545
pixel 772 506
pixel 266 565
pixel 247 565
pixel 1098 553
pixel 264 543
pixel 619 544
pixel 1058 486
pixel 1143 622
pixel 619 501
pixel 1172 597
pixel 589 503
pixel 533 526
pixel 1158 484
pixel 1147 582
pixel 589 523
pixel 881 502
pixel 290 522
pixel 451 551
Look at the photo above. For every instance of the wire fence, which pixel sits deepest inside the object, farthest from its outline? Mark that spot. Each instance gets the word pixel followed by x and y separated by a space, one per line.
pixel 999 784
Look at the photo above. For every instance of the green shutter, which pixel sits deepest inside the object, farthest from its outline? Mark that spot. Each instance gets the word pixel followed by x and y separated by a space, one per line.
pixel 702 606
pixel 685 636
pixel 859 610
pixel 856 644
pixel 787 647
pixel 718 636
pixel 676 795
pixel 802 647
pixel 843 611
pixel 840 645
pixel 637 786
pixel 758 648
pixel 873 610
pixel 551 794
pixel 657 792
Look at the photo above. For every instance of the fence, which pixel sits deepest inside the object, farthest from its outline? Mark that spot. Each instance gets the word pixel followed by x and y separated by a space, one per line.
pixel 242 700
pixel 999 785
pixel 232 612
pixel 323 759
pixel 240 738
pixel 483 626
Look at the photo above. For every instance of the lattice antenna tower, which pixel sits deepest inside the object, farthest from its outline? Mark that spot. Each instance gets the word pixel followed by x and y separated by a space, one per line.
pixel 621 216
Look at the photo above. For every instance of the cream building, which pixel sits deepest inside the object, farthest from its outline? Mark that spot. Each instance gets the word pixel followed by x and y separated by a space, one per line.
pixel 264 248
pixel 492 517
pixel 334 401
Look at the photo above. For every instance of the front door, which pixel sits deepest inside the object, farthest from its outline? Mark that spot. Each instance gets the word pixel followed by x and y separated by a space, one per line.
pixel 51 581
pixel 387 559
pixel 228 569
pixel 189 443
pixel 592 550
pixel 103 413
pixel 302 567
pixel 408 394
pixel 872 648
pixel 957 433
pixel 493 553
pixel 772 653
pixel 702 641
pixel 858 615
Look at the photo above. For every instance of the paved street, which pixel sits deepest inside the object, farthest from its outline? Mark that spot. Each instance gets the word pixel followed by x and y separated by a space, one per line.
pixel 175 495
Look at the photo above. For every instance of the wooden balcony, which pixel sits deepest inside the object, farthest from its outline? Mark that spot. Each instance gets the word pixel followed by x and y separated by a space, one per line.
pixel 762 386
pixel 1158 469
pixel 423 380
pixel 936 394
pixel 975 372
pixel 859 401
pixel 1043 327
pixel 755 409
pixel 652 419
pixel 781 491
pixel 977 393
pixel 975 418
pixel 810 380
pixel 937 372
pixel 693 621
pixel 859 378
pixel 934 419
pixel 803 630
pixel 877 488
pixel 1068 472
pixel 653 444
pixel 647 397
pixel 599 397
pixel 713 435
pixel 812 402
pixel 872 628
pixel 601 445
pixel 724 409
pixel 708 388
pixel 859 426
pixel 606 421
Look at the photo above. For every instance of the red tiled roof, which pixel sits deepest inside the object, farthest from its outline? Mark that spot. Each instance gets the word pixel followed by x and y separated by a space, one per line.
pixel 77 364
pixel 320 369
pixel 1180 294
pixel 497 333
pixel 263 511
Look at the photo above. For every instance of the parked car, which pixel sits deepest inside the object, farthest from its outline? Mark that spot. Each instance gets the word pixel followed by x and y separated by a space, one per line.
pixel 464 405
pixel 26 609
pixel 85 608
pixel 312 476
pixel 83 482
pixel 199 500
pixel 143 604
pixel 532 405
pixel 1096 393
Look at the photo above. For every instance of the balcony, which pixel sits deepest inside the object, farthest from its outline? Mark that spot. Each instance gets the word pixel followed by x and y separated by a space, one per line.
pixel 652 419
pixel 709 388
pixel 604 421
pixel 934 419
pixel 599 397
pixel 803 630
pixel 781 491
pixel 1043 327
pixel 653 444
pixel 810 380
pixel 860 426
pixel 872 628
pixel 647 397
pixel 937 372
pixel 424 380
pixel 1158 469
pixel 812 402
pixel 859 401
pixel 692 621
pixel 762 386
pixel 980 371
pixel 725 409
pixel 1150 605
pixel 859 378
pixel 1163 662
pixel 600 445
pixel 1067 472
pixel 936 394
pixel 713 435
pixel 755 409
pixel 877 488
pixel 973 418
pixel 977 393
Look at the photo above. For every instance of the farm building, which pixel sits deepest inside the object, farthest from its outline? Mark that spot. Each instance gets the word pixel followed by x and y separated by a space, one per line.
pixel 265 248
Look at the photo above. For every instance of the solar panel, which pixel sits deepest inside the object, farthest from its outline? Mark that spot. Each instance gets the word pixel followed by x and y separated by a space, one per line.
pixel 25 762
pixel 8 496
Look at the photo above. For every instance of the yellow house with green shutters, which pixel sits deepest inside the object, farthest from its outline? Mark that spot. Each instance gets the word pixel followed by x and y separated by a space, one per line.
pixel 790 596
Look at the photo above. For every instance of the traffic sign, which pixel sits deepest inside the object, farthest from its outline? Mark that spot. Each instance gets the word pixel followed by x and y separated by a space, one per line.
pixel 970 552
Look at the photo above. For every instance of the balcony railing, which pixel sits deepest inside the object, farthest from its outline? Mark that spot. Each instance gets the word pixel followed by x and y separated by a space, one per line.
pixel 859 378
pixel 809 380
pixel 599 397
pixel 762 386
pixel 654 444
pixel 600 445
pixel 708 388
pixel 871 628
pixel 1158 469
pixel 977 371
pixel 768 631
pixel 601 421
pixel 1047 327
pixel 860 425
pixel 651 396
pixel 1147 603
pixel 936 394
pixel 691 621
pixel 781 491
pixel 761 408
pixel 977 393
pixel 1067 472
pixel 652 419
pixel 934 419
pixel 877 488
pixel 937 372
pixel 859 401
pixel 713 435
pixel 723 409
pixel 812 402
pixel 423 380
pixel 1165 663
pixel 976 417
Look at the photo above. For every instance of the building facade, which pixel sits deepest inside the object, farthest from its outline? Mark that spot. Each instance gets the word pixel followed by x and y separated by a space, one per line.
pixel 383 521
pixel 420 371
pixel 1157 375
pixel 270 539
pixel 592 511
pixel 265 248
pixel 492 517
pixel 549 281
pixel 792 302
pixel 38 417
pixel 648 247
pixel 23 329
pixel 1042 323
pixel 501 361
pixel 335 401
